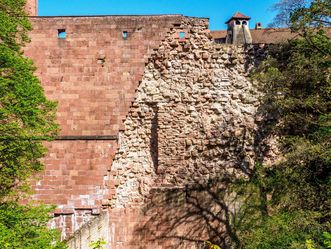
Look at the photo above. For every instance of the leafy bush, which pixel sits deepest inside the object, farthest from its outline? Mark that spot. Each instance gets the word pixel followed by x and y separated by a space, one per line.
pixel 25 227
pixel 98 244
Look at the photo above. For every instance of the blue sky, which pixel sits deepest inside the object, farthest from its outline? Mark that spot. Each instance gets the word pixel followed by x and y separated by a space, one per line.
pixel 217 10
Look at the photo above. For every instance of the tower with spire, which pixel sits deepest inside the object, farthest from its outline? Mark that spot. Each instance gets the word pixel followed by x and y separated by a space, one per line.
pixel 238 29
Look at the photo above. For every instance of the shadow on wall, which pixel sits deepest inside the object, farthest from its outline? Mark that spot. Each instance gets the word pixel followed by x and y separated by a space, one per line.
pixel 154 146
pixel 216 210
pixel 191 216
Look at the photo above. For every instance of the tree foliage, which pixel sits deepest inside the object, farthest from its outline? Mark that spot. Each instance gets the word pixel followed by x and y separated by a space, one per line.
pixel 26 116
pixel 295 194
pixel 26 120
pixel 25 227
pixel 284 8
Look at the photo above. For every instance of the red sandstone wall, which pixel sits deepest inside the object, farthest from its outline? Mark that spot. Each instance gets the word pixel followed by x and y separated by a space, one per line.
pixel 74 176
pixel 92 74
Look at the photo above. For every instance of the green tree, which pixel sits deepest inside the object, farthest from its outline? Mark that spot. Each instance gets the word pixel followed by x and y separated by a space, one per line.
pixel 26 120
pixel 284 8
pixel 25 227
pixel 26 116
pixel 296 193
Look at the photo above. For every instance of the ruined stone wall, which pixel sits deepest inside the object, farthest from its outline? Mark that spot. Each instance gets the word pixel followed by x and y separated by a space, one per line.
pixel 190 117
pixel 195 119
pixel 92 73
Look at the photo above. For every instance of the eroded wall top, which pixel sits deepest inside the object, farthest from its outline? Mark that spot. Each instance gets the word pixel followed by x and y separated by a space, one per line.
pixel 32 7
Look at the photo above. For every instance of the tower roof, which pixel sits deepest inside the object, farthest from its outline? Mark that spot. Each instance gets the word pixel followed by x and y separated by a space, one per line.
pixel 237 16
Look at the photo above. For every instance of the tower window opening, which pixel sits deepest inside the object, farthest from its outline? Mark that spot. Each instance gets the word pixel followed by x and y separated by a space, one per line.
pixel 61 34
pixel 125 35
pixel 238 22
pixel 258 25
pixel 244 23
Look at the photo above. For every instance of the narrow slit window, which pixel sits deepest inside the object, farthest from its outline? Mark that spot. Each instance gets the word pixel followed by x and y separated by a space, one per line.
pixel 125 35
pixel 182 35
pixel 61 34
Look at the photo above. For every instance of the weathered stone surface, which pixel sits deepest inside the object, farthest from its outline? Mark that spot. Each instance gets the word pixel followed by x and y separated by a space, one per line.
pixel 199 117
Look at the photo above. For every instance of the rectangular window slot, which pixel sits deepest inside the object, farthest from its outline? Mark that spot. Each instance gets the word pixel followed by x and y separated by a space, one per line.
pixel 61 34
pixel 125 35
pixel 182 35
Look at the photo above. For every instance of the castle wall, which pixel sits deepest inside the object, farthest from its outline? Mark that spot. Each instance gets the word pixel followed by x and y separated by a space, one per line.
pixel 185 114
pixel 94 71
pixel 92 74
